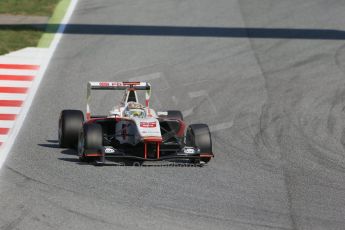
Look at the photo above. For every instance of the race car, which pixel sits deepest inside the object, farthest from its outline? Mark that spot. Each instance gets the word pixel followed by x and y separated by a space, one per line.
pixel 133 131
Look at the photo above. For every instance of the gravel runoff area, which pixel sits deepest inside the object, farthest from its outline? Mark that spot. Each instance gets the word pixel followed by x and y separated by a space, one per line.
pixel 9 19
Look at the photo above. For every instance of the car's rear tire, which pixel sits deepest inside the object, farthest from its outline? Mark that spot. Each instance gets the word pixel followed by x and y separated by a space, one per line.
pixel 91 137
pixel 199 136
pixel 70 123
pixel 175 114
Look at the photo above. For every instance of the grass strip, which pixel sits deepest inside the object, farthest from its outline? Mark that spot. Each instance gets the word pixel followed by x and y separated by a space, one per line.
pixel 28 7
pixel 19 37
pixel 15 37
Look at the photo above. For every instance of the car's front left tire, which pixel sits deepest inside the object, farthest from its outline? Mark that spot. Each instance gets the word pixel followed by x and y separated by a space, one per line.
pixel 70 123
pixel 90 137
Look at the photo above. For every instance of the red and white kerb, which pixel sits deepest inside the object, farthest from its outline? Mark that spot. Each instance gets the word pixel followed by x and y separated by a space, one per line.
pixel 15 82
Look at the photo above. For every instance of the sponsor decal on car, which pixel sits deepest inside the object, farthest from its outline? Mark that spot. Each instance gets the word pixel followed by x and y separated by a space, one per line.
pixel 111 84
pixel 109 150
pixel 144 124
pixel 189 150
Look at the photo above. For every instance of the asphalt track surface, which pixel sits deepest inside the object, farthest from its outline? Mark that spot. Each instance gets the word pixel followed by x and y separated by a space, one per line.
pixel 275 104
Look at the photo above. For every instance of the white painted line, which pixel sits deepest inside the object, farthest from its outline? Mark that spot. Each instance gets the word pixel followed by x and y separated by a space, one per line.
pixel 146 77
pixel 197 94
pixel 163 83
pixel 26 55
pixel 221 126
pixel 10 110
pixel 6 124
pixel 174 100
pixel 18 72
pixel 3 138
pixel 4 83
pixel 203 93
pixel 11 58
pixel 187 112
pixel 12 96
pixel 20 119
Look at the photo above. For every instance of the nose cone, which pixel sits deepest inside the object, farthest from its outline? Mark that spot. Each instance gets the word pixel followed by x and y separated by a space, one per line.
pixel 148 127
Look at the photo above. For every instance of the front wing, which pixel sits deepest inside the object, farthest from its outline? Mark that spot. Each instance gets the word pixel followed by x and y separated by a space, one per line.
pixel 108 152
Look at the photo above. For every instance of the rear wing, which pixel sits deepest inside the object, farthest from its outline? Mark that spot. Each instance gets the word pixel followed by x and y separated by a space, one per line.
pixel 118 85
pixel 93 85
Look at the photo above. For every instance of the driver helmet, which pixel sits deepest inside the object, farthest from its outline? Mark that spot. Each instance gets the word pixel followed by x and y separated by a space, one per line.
pixel 135 109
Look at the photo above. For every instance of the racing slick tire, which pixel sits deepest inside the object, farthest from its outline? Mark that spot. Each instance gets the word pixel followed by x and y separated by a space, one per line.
pixel 70 123
pixel 91 137
pixel 199 136
pixel 175 114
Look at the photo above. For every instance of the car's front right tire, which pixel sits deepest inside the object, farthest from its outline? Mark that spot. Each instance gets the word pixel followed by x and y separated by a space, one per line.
pixel 199 136
pixel 175 115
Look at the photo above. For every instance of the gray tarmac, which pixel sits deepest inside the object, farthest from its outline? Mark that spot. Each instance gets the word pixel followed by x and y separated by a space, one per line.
pixel 268 78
